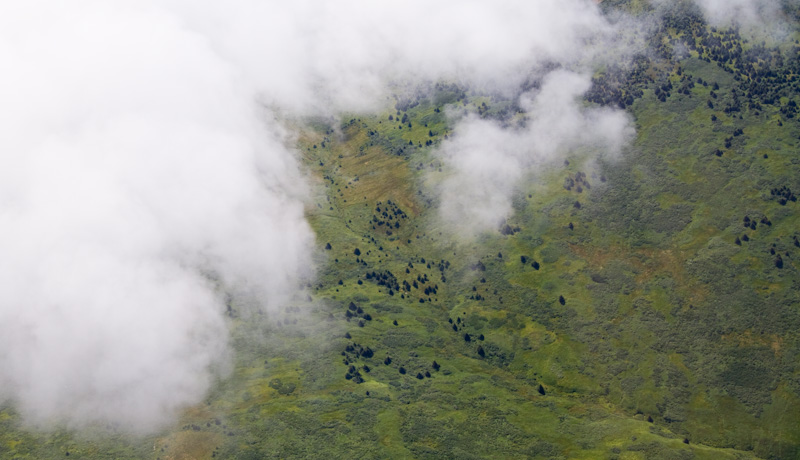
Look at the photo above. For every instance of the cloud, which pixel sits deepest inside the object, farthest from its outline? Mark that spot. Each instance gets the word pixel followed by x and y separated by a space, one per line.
pixel 488 159
pixel 135 164
pixel 745 12
pixel 146 167
pixel 313 55
pixel 755 19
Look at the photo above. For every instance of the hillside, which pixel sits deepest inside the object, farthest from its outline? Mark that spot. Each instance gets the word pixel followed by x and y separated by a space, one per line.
pixel 645 306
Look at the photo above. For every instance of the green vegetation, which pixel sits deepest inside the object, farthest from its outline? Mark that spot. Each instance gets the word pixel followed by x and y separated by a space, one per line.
pixel 642 308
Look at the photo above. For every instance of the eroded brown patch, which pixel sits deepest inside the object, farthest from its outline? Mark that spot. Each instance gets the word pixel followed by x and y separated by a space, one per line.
pixel 748 339
pixel 366 170
pixel 188 445
pixel 648 263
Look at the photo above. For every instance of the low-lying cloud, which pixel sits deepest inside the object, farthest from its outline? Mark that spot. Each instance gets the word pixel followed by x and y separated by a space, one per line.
pixel 745 12
pixel 139 177
pixel 489 159
pixel 145 169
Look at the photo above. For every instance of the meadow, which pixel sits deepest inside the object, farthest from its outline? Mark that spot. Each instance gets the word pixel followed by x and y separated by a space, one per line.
pixel 638 308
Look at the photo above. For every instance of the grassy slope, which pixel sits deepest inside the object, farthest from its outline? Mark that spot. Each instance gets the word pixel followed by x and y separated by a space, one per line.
pixel 665 318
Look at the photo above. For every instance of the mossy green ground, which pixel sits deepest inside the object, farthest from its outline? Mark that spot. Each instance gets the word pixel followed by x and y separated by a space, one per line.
pixel 672 341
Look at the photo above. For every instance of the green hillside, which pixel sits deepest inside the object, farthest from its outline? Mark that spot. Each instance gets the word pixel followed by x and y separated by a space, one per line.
pixel 642 308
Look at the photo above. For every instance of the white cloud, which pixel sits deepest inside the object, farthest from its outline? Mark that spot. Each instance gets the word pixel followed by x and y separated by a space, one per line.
pixel 134 160
pixel 745 12
pixel 488 160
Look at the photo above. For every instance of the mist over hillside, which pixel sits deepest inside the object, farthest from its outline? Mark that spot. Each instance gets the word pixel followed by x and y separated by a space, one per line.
pixel 139 163
pixel 559 229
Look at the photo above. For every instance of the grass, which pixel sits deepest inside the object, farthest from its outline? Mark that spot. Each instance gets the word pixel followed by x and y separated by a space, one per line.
pixel 672 341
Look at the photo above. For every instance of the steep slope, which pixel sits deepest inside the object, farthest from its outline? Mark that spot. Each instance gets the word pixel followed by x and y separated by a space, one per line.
pixel 645 307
